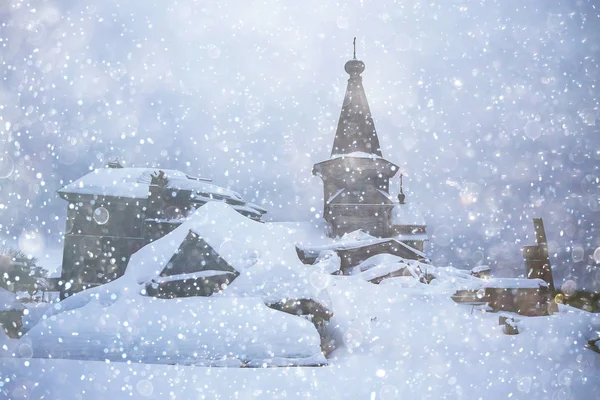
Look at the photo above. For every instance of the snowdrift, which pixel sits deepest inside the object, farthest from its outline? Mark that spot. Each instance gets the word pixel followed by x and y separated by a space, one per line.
pixel 198 331
pixel 118 321
pixel 400 339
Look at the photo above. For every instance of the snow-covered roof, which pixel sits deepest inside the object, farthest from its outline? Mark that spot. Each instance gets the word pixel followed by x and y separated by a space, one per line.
pixel 348 244
pixel 356 154
pixel 514 283
pixel 249 208
pixel 134 183
pixel 379 259
pixel 358 239
pixel 380 270
pixel 420 236
pixel 174 221
pixel 481 268
pixel 192 275
pixel 9 302
pixel 358 234
pixel 407 214
pixel 263 254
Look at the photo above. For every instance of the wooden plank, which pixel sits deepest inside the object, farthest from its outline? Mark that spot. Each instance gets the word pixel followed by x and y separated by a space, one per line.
pixel 540 232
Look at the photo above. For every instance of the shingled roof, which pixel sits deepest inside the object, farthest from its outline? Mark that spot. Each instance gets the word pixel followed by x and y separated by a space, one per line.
pixel 356 130
pixel 135 183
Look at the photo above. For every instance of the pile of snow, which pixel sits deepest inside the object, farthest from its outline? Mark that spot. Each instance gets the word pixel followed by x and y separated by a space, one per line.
pixel 267 262
pixel 450 279
pixel 407 272
pixel 392 342
pixel 117 321
pixel 394 346
pixel 381 265
pixel 353 240
pixel 192 330
pixel 400 339
pixel 415 343
pixel 328 262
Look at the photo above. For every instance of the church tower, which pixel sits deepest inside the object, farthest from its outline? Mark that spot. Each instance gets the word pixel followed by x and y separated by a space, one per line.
pixel 356 176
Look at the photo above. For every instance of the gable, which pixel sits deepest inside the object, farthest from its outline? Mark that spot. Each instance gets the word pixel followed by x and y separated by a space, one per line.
pixel 195 255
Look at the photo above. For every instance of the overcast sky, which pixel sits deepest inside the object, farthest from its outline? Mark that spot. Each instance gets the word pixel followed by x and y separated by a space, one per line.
pixel 489 107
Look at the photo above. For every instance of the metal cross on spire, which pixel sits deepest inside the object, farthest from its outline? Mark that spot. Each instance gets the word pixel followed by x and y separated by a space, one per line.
pixel 354 45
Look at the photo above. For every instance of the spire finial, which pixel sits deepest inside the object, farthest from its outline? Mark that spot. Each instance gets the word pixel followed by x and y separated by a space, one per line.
pixel 354 67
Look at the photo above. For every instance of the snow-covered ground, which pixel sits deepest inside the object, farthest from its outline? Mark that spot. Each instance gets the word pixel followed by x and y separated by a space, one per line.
pixel 393 342
pixel 199 331
pixel 396 345
pixel 400 339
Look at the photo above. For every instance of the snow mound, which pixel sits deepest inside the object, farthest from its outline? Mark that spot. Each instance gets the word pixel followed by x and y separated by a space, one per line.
pixel 384 267
pixel 192 330
pixel 328 262
pixel 234 327
pixel 377 260
pixel 267 262
pixel 354 240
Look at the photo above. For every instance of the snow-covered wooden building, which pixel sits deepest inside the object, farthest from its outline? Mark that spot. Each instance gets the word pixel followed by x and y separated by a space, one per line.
pixel 115 211
pixel 356 177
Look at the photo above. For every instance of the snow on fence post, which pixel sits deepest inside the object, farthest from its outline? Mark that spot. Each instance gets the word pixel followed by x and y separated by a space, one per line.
pixel 510 326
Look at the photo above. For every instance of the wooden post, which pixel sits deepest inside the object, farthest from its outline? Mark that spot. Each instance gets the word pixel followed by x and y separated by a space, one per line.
pixel 540 233
pixel 510 327
pixel 536 257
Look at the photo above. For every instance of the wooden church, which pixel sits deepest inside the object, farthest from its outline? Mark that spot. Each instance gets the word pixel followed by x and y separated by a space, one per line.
pixel 356 178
